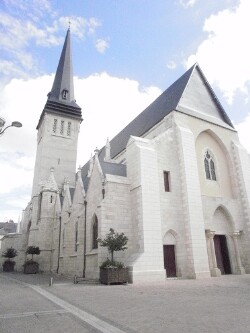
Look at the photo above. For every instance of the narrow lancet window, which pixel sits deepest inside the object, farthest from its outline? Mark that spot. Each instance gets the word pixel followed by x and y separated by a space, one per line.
pixel 54 125
pixel 166 175
pixel 62 127
pixel 76 236
pixel 212 168
pixel 95 233
pixel 69 129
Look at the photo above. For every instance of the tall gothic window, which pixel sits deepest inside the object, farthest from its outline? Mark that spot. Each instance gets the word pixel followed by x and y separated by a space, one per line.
pixel 76 236
pixel 166 176
pixel 39 207
pixel 209 166
pixel 95 233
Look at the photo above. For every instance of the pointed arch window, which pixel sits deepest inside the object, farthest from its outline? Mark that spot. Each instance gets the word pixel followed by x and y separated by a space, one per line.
pixel 95 233
pixel 209 166
pixel 76 236
pixel 39 207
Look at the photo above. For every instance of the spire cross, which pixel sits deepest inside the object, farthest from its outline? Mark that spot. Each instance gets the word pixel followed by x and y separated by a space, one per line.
pixel 69 23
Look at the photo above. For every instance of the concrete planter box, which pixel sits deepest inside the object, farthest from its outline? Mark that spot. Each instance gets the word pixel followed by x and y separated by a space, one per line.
pixel 8 266
pixel 113 275
pixel 30 267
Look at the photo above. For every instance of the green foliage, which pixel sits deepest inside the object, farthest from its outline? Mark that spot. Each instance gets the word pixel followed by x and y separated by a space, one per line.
pixel 33 250
pixel 10 253
pixel 114 242
pixel 112 264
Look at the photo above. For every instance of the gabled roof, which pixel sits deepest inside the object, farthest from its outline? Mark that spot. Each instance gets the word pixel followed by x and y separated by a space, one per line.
pixel 199 100
pixel 167 102
pixel 85 178
pixel 107 168
pixel 190 93
pixel 154 113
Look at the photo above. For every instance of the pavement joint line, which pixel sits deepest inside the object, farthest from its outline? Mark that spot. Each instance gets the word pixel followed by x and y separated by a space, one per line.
pixel 28 314
pixel 92 320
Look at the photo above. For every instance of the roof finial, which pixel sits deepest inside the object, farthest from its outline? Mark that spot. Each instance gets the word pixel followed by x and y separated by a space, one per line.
pixel 69 23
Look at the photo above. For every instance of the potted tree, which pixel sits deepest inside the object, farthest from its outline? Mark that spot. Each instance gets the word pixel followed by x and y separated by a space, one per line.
pixel 31 266
pixel 112 271
pixel 8 265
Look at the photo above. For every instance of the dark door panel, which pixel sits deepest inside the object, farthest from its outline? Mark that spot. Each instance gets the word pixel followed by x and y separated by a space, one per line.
pixel 221 252
pixel 169 260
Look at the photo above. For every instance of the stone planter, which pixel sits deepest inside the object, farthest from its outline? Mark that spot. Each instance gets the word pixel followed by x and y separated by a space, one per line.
pixel 8 266
pixel 30 267
pixel 113 275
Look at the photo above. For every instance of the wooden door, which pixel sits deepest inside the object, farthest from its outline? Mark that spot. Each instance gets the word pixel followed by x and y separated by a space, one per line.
pixel 169 260
pixel 221 252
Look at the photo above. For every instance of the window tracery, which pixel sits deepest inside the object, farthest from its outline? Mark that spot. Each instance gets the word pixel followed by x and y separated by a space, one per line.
pixel 209 166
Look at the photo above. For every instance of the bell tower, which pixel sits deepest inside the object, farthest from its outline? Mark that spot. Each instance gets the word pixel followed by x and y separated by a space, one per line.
pixel 58 127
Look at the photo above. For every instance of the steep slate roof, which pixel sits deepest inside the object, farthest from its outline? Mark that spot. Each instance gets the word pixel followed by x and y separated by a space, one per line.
pixel 113 169
pixel 167 102
pixel 107 168
pixel 156 111
pixel 85 178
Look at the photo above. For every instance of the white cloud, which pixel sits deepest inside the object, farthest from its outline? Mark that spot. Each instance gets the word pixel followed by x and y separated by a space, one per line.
pixel 110 103
pixel 187 3
pixel 79 25
pixel 224 55
pixel 243 129
pixel 23 25
pixel 8 68
pixel 101 45
pixel 171 64
pixel 119 101
pixel 33 8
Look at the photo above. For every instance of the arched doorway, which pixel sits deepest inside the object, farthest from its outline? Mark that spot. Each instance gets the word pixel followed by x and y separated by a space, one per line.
pixel 169 254
pixel 222 225
pixel 222 254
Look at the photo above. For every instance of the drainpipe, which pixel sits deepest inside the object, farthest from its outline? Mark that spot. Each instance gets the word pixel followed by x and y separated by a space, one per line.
pixel 84 244
pixel 59 243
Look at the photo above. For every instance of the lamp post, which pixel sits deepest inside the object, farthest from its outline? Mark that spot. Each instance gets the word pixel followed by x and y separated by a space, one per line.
pixel 13 124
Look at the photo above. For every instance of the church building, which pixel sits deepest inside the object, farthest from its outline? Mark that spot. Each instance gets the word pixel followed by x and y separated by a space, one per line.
pixel 175 180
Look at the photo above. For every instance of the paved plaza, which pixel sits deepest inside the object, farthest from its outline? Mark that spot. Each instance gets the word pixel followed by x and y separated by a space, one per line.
pixel 212 305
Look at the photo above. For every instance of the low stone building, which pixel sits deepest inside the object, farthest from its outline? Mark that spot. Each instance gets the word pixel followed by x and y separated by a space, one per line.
pixel 176 181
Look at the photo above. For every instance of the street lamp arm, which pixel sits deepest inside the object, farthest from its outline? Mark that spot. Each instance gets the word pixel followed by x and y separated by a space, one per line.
pixel 14 124
pixel 5 129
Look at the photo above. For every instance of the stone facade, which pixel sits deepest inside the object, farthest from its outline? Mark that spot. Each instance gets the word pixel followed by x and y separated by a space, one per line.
pixel 180 191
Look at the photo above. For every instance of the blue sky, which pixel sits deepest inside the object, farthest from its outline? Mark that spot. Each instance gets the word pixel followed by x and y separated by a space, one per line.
pixel 125 53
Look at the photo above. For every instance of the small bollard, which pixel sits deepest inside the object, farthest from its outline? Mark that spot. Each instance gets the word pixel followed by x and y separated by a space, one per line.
pixel 51 281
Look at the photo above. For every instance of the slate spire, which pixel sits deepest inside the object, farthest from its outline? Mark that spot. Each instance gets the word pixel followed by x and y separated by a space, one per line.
pixel 63 87
pixel 61 99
